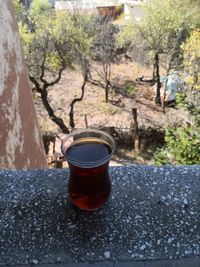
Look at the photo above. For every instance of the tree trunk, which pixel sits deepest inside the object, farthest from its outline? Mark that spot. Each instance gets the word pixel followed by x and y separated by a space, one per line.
pixel 58 121
pixel 44 93
pixel 157 63
pixel 154 73
pixel 71 113
pixel 107 73
pixel 107 91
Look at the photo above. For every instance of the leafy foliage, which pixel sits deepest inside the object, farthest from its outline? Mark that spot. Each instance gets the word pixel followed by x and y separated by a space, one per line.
pixel 158 29
pixel 182 146
pixel 55 42
pixel 51 44
pixel 183 143
pixel 160 32
pixel 191 50
pixel 180 99
pixel 19 10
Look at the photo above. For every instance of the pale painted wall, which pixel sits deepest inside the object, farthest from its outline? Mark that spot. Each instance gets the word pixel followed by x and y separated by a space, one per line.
pixel 21 146
pixel 134 11
pixel 84 4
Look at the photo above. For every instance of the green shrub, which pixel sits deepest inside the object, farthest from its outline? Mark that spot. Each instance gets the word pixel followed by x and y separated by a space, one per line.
pixel 182 146
pixel 131 88
pixel 180 99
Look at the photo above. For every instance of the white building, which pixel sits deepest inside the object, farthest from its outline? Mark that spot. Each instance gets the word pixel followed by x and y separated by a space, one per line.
pixel 133 9
pixel 84 4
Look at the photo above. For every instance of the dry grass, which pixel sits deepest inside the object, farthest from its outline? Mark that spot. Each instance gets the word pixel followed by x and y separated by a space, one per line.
pixel 115 113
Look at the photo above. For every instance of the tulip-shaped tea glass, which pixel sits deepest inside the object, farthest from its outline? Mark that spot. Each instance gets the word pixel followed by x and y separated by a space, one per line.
pixel 88 153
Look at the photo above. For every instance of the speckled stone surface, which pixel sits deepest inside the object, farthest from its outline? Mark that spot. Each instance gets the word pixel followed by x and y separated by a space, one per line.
pixel 153 213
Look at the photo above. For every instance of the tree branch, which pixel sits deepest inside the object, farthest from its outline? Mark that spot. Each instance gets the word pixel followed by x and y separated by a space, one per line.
pixel 57 79
pixel 77 99
pixel 42 67
pixel 44 94
pixel 37 85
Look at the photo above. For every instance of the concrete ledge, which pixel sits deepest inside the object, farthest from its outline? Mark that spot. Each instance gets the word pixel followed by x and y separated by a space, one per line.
pixel 152 216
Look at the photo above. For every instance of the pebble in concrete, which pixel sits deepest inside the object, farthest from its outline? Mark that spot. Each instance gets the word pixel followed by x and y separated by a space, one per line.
pixel 153 213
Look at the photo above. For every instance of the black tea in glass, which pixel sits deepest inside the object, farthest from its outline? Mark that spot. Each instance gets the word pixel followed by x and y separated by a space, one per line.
pixel 88 153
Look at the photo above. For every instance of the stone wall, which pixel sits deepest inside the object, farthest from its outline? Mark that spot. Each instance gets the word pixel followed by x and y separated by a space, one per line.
pixel 20 140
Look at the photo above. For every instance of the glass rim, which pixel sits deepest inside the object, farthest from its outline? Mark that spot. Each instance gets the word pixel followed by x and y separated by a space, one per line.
pixel 90 164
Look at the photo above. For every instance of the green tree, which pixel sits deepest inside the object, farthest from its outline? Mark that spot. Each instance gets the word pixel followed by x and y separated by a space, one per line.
pixel 191 52
pixel 161 32
pixel 19 10
pixel 183 143
pixel 51 44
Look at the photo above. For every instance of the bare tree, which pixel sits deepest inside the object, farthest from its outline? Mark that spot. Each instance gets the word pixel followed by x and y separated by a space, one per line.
pixel 105 49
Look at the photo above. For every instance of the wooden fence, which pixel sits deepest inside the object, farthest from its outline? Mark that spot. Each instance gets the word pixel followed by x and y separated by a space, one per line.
pixel 132 137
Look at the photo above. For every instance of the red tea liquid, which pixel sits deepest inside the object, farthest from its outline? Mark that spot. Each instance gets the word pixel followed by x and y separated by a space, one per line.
pixel 89 187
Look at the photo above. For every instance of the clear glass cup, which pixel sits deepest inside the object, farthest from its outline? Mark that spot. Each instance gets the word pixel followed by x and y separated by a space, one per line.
pixel 88 153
